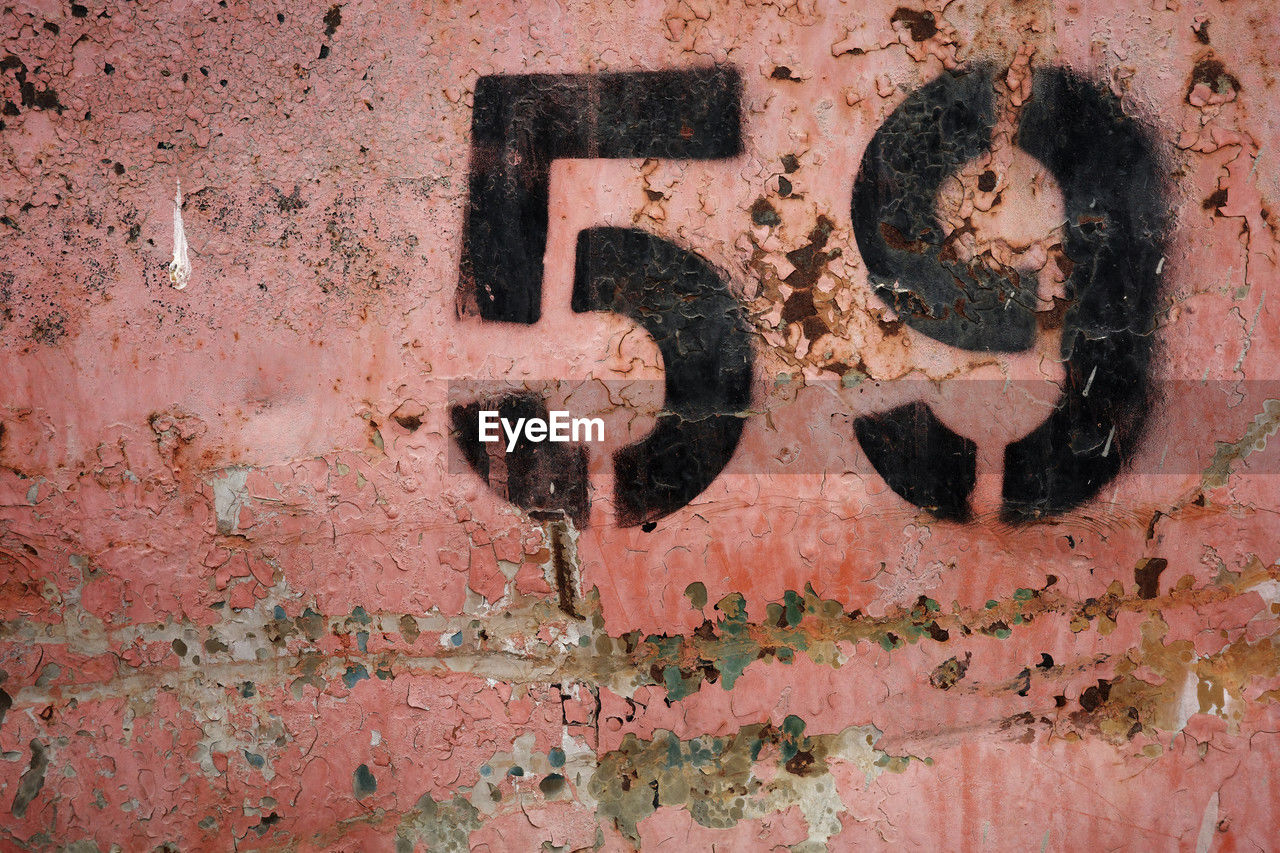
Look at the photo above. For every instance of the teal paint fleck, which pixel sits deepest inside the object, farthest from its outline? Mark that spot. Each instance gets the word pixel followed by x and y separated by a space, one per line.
pixel 255 760
pixel 738 651
pixel 675 757
pixel 456 639
pixel 361 616
pixel 793 739
pixel 363 782
pixel 556 757
pixel 793 607
pixel 734 608
pixel 732 665
pixel 704 752
pixel 677 685
pixel 354 674
pixel 889 642
pixel 362 640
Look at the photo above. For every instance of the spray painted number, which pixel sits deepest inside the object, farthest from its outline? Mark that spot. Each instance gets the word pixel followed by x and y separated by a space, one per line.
pixel 1115 227
pixel 1102 160
pixel 519 125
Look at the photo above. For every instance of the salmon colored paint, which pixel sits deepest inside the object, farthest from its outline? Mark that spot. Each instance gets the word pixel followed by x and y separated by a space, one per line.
pixel 252 598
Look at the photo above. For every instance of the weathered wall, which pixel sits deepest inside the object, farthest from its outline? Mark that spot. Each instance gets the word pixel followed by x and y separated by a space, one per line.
pixel 252 596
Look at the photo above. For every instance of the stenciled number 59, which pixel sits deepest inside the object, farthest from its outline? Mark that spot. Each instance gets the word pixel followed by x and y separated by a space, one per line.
pixel 1103 161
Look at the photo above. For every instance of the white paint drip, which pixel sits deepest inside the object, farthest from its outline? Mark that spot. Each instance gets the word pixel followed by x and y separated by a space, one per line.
pixel 1208 824
pixel 1188 701
pixel 180 266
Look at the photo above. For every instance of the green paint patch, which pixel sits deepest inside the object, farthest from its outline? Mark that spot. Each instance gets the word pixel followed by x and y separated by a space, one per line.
pixel 311 624
pixel 734 607
pixel 718 779
pixel 793 608
pixel 719 651
pixel 679 686
pixel 894 763
pixel 793 741
pixel 363 782
pixel 889 642
pixel 441 827
pixel 551 785
pixel 354 674
pixel 696 592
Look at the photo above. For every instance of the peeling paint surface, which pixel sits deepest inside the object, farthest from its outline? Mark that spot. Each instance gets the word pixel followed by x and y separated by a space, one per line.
pixel 934 346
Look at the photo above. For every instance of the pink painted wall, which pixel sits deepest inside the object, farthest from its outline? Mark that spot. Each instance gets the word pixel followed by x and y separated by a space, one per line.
pixel 246 601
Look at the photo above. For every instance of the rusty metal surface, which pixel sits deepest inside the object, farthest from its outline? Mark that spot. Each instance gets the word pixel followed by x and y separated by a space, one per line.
pixel 816 265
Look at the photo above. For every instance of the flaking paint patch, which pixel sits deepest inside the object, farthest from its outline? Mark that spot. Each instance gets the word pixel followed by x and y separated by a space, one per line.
pixel 757 771
pixel 211 648
pixel 760 771
pixel 229 496
pixel 1254 440
pixel 443 826
pixel 32 779
pixel 180 266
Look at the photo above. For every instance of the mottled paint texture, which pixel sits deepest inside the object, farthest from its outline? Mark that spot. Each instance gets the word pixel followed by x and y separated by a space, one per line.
pixel 246 601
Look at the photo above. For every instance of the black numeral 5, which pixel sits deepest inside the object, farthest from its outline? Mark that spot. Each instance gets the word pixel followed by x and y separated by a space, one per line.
pixel 520 124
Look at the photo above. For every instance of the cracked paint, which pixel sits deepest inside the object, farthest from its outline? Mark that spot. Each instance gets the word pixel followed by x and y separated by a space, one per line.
pixel 253 597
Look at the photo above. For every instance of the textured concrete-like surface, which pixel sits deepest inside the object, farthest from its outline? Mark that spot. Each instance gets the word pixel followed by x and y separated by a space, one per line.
pixel 250 598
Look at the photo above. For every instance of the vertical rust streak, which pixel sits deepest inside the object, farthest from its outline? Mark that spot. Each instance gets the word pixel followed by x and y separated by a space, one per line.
pixel 558 537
